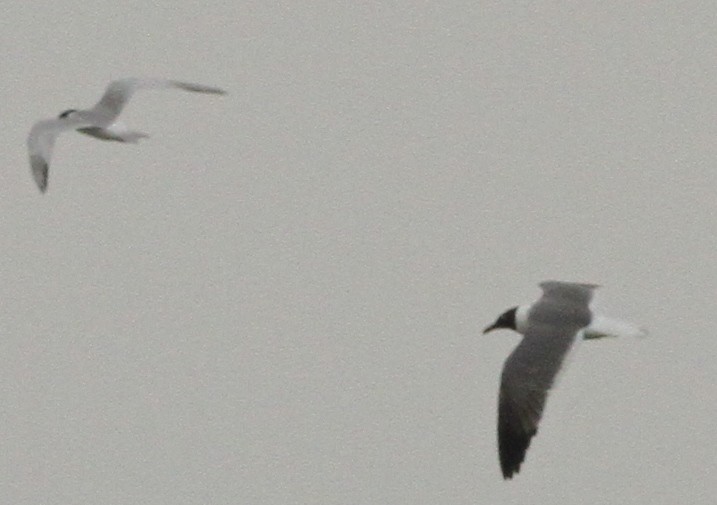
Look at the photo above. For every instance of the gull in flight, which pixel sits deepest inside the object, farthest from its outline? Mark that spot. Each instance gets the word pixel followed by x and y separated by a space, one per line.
pixel 100 121
pixel 550 327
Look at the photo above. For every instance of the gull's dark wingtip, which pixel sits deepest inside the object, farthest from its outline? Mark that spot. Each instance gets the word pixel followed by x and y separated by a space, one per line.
pixel 514 438
pixel 512 449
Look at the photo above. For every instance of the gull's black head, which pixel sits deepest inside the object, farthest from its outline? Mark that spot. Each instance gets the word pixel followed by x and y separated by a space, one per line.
pixel 505 320
pixel 67 113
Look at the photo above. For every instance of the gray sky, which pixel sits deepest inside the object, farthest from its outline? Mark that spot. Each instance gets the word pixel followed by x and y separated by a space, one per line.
pixel 278 297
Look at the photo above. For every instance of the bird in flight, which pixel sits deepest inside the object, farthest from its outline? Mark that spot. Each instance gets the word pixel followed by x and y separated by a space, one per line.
pixel 100 121
pixel 550 327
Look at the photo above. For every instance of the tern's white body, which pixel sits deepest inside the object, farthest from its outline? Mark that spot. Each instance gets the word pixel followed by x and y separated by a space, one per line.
pixel 100 121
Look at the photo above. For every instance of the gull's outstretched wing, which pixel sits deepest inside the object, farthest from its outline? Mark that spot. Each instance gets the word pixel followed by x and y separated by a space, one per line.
pixel 118 93
pixel 528 374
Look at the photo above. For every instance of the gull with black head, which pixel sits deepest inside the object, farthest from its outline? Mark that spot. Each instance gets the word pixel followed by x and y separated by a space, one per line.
pixel 100 121
pixel 550 327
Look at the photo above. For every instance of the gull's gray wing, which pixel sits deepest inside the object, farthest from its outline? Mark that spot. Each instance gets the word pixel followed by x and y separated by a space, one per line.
pixel 40 143
pixel 118 93
pixel 528 374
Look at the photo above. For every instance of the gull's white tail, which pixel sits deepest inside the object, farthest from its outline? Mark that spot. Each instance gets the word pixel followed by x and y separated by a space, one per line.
pixel 602 326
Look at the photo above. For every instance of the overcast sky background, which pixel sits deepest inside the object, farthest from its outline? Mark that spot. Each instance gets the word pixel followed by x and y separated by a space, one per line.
pixel 278 297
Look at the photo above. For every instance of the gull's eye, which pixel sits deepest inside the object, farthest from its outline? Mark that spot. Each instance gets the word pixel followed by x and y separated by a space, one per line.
pixel 66 113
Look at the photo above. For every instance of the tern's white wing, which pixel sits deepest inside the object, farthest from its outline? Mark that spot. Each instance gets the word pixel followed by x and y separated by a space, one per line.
pixel 40 142
pixel 120 91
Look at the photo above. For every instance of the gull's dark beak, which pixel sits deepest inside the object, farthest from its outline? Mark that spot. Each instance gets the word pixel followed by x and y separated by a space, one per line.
pixel 490 328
